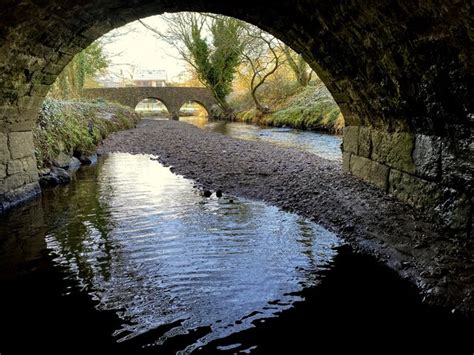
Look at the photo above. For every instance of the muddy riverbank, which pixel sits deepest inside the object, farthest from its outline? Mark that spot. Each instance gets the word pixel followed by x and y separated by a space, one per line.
pixel 413 244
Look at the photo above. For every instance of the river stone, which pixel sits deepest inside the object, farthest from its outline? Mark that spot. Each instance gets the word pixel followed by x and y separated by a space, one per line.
pixel 394 150
pixel 74 164
pixel 370 171
pixel 351 138
pixel 49 180
pixel 61 174
pixel 62 160
pixel 87 160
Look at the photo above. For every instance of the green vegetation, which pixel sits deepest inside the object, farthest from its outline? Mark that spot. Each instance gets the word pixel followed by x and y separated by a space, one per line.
pixel 253 76
pixel 212 45
pixel 308 108
pixel 80 70
pixel 77 127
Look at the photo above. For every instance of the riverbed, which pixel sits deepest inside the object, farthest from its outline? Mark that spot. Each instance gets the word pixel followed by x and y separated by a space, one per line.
pixel 131 258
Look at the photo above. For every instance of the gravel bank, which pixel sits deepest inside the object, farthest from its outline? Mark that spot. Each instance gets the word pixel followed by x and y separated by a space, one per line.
pixel 399 236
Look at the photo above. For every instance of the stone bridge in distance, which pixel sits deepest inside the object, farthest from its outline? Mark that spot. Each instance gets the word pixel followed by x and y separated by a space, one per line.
pixel 172 97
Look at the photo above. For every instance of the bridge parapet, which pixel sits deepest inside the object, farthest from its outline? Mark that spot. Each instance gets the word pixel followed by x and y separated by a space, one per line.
pixel 172 97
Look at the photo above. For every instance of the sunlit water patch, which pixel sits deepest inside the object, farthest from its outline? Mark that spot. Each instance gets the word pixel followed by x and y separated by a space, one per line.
pixel 324 145
pixel 156 252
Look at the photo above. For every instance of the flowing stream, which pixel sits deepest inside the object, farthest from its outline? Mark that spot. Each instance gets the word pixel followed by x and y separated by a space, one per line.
pixel 131 258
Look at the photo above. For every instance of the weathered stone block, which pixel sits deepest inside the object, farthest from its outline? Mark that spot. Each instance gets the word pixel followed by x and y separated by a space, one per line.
pixel 15 181
pixel 454 209
pixel 20 144
pixel 457 163
pixel 351 139
pixel 4 152
pixel 27 165
pixel 370 171
pixel 394 150
pixel 12 198
pixel 415 191
pixel 3 171
pixel 346 161
pixel 427 156
pixel 452 206
pixel 15 167
pixel 365 142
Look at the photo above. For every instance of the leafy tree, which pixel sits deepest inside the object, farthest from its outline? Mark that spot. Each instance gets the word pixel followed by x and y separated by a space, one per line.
pixel 83 67
pixel 212 45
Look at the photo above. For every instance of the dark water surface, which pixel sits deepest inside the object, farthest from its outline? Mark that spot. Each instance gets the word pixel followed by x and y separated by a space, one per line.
pixel 130 259
pixel 325 145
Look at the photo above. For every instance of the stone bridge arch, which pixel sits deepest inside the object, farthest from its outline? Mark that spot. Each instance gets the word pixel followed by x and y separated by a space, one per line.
pixel 399 70
pixel 172 97
pixel 200 103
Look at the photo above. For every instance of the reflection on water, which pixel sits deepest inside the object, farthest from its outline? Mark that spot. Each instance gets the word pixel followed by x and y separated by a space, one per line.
pixel 198 121
pixel 324 145
pixel 143 243
pixel 130 259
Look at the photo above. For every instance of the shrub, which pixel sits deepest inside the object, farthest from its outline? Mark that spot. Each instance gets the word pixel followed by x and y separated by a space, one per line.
pixel 77 127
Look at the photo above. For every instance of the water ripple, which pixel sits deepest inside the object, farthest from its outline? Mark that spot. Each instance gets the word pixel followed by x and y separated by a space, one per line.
pixel 150 248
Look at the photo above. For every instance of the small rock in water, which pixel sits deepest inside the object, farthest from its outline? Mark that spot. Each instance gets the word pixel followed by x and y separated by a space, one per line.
pixel 219 193
pixel 74 164
pixel 207 193
pixel 62 175
pixel 87 160
pixel 55 177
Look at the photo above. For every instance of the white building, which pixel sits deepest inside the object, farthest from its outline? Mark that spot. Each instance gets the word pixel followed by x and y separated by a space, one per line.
pixel 150 77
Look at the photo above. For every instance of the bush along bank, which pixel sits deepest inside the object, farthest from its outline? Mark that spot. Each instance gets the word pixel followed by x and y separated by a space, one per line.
pixel 67 134
pixel 309 108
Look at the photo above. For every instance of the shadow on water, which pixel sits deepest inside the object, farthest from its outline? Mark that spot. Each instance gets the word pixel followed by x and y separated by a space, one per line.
pixel 130 259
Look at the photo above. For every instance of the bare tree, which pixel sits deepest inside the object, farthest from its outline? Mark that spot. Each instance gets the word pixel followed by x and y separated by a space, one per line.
pixel 212 45
pixel 263 59
pixel 298 65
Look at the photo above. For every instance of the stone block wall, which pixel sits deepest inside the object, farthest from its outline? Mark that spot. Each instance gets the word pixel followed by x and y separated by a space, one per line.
pixel 18 171
pixel 428 172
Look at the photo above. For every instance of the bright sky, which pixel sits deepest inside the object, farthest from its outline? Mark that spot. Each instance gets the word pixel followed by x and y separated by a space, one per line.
pixel 142 49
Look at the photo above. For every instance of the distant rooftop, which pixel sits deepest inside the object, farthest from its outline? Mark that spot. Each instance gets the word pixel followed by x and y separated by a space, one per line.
pixel 147 74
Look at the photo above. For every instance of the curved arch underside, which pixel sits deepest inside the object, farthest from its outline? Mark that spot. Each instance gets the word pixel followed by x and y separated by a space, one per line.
pixel 388 64
pixel 399 71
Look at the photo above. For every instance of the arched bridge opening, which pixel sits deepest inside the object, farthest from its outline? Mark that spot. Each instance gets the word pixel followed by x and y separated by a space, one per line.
pixel 195 113
pixel 152 107
pixel 404 89
pixel 172 97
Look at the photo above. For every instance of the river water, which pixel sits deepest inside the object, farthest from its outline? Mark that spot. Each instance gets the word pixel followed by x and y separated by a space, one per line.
pixel 131 259
pixel 327 146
